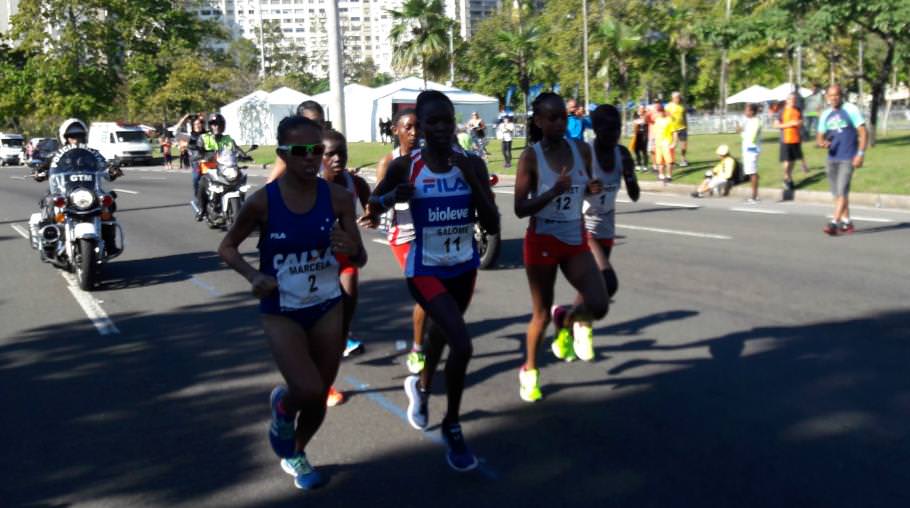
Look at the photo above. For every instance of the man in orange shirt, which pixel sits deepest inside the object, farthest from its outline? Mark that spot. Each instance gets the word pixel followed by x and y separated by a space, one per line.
pixel 790 123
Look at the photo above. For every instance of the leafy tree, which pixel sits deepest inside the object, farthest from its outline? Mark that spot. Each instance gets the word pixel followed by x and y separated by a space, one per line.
pixel 365 73
pixel 420 34
pixel 194 84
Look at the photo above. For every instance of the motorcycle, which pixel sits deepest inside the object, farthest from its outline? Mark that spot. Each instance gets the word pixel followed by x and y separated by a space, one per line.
pixel 42 154
pixel 487 244
pixel 76 222
pixel 226 187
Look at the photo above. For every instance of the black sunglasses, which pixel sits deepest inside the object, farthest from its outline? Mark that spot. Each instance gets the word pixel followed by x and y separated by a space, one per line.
pixel 301 150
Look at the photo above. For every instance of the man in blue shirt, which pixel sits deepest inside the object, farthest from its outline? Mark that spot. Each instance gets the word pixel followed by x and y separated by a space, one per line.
pixel 842 130
pixel 577 121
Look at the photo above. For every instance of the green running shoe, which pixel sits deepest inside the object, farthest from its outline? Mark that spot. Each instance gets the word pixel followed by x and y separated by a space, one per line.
pixel 583 341
pixel 562 345
pixel 529 385
pixel 415 361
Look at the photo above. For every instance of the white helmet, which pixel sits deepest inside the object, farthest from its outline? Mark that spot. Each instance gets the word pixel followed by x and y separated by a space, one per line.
pixel 72 126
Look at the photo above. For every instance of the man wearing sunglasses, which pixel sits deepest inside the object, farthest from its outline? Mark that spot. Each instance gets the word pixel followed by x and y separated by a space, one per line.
pixel 209 145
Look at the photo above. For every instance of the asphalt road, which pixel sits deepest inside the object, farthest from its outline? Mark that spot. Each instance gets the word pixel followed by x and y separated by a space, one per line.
pixel 748 360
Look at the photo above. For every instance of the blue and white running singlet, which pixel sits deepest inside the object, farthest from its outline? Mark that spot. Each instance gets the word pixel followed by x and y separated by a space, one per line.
pixel 442 210
pixel 296 250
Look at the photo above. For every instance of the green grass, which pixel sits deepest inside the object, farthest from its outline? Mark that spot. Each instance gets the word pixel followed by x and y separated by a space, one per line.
pixel 885 169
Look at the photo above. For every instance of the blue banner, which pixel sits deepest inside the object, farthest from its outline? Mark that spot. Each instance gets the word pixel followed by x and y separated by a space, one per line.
pixel 556 88
pixel 534 91
pixel 509 93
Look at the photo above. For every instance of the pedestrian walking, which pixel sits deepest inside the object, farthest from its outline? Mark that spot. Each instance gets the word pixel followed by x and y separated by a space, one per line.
pixel 842 130
pixel 790 123
pixel 750 133
pixel 165 142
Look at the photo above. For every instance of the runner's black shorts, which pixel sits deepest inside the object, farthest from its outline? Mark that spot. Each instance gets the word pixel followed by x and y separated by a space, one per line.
pixel 790 152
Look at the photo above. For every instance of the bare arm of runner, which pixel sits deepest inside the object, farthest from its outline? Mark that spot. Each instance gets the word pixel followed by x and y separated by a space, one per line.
pixel 393 188
pixel 363 190
pixel 526 179
pixel 254 212
pixel 594 185
pixel 345 236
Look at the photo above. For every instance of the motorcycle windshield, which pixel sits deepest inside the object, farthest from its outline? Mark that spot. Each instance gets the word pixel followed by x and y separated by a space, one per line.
pixel 227 158
pixel 75 168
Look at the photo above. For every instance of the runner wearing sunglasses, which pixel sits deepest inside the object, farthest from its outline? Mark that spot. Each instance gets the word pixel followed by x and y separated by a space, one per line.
pixel 304 222
pixel 306 109
pixel 447 192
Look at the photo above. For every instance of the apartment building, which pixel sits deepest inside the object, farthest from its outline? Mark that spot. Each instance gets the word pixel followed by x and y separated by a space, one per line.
pixel 8 9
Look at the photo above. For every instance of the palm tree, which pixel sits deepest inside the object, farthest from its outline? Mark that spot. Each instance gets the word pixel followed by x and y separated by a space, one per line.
pixel 522 49
pixel 420 33
pixel 614 42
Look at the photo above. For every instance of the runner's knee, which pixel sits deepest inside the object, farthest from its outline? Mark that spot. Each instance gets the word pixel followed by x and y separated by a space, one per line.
pixel 611 281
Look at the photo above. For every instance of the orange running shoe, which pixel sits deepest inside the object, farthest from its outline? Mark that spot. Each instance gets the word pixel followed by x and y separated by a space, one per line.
pixel 335 398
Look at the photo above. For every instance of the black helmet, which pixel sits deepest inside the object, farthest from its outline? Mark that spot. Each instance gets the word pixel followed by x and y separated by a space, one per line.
pixel 216 118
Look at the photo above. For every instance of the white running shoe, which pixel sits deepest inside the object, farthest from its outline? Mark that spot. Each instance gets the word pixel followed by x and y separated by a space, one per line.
pixel 583 341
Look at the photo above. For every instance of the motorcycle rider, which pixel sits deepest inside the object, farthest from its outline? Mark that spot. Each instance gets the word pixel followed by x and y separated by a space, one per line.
pixel 208 146
pixel 73 132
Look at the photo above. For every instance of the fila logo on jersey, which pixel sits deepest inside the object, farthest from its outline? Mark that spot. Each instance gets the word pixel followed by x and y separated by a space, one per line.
pixel 441 185
pixel 276 236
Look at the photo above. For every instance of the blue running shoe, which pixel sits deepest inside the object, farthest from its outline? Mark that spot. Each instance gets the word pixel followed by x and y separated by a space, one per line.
pixel 306 477
pixel 459 455
pixel 281 428
pixel 352 347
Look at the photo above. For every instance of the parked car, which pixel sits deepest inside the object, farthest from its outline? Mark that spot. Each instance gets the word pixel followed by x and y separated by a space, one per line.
pixel 123 143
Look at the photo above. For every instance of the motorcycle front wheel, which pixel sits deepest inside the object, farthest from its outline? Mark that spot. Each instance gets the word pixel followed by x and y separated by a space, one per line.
pixel 233 208
pixel 487 247
pixel 85 264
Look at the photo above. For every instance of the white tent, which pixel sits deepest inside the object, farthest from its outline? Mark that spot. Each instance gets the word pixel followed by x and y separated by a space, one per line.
pixel 755 93
pixel 364 106
pixel 780 92
pixel 254 119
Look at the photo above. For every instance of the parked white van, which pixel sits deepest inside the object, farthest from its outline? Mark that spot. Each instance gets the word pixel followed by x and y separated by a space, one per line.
pixel 123 142
pixel 11 146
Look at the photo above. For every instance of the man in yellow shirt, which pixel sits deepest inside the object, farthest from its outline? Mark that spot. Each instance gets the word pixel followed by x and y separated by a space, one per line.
pixel 664 144
pixel 680 124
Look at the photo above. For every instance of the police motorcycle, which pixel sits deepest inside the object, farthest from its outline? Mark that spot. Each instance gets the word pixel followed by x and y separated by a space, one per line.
pixel 487 244
pixel 226 187
pixel 42 154
pixel 76 230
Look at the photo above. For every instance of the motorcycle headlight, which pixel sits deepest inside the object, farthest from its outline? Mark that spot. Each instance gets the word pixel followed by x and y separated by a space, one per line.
pixel 229 172
pixel 82 199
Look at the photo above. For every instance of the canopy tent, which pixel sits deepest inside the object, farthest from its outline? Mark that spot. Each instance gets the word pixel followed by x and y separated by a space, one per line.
pixel 755 93
pixel 780 92
pixel 365 107
pixel 901 93
pixel 254 118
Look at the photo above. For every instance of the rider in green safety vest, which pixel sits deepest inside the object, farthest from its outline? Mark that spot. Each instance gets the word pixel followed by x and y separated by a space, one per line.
pixel 209 145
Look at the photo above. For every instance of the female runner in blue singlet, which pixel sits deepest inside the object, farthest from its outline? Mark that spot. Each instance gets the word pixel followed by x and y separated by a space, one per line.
pixel 446 190
pixel 304 222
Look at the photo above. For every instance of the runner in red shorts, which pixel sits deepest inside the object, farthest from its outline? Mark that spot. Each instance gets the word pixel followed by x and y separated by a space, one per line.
pixel 401 230
pixel 553 177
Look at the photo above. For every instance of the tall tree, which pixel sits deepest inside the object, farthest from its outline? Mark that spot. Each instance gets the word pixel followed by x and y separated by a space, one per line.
pixel 420 34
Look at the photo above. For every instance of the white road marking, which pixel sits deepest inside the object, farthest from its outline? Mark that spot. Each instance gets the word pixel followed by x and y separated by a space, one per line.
pixel 212 290
pixel 126 191
pixel 503 191
pixel 677 232
pixel 17 228
pixel 90 306
pixel 17 177
pixel 758 210
pixel 152 178
pixel 868 219
pixel 381 240
pixel 623 200
pixel 676 205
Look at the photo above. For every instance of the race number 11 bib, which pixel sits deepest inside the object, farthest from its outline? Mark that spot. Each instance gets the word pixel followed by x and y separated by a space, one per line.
pixel 448 245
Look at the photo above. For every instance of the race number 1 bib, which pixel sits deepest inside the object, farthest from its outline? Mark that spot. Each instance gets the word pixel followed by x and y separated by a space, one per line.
pixel 448 245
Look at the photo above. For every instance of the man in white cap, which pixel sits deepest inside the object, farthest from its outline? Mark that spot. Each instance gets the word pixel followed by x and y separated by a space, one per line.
pixel 716 180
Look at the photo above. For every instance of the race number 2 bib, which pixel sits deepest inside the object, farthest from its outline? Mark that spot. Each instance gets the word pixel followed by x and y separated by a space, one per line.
pixel 306 280
pixel 448 245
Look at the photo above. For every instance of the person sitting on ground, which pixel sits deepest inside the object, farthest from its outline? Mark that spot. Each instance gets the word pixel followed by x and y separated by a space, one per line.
pixel 717 179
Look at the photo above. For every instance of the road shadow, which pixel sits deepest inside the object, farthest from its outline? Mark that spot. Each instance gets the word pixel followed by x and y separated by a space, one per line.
pixel 883 229
pixel 657 209
pixel 135 273
pixel 812 178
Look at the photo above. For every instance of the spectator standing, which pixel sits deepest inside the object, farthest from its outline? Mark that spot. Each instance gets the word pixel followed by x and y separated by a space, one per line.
pixel 506 132
pixel 640 138
pixel 842 130
pixel 790 123
pixel 677 113
pixel 664 144
pixel 576 122
pixel 815 103
pixel 750 131
pixel 652 144
pixel 478 134
pixel 165 142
